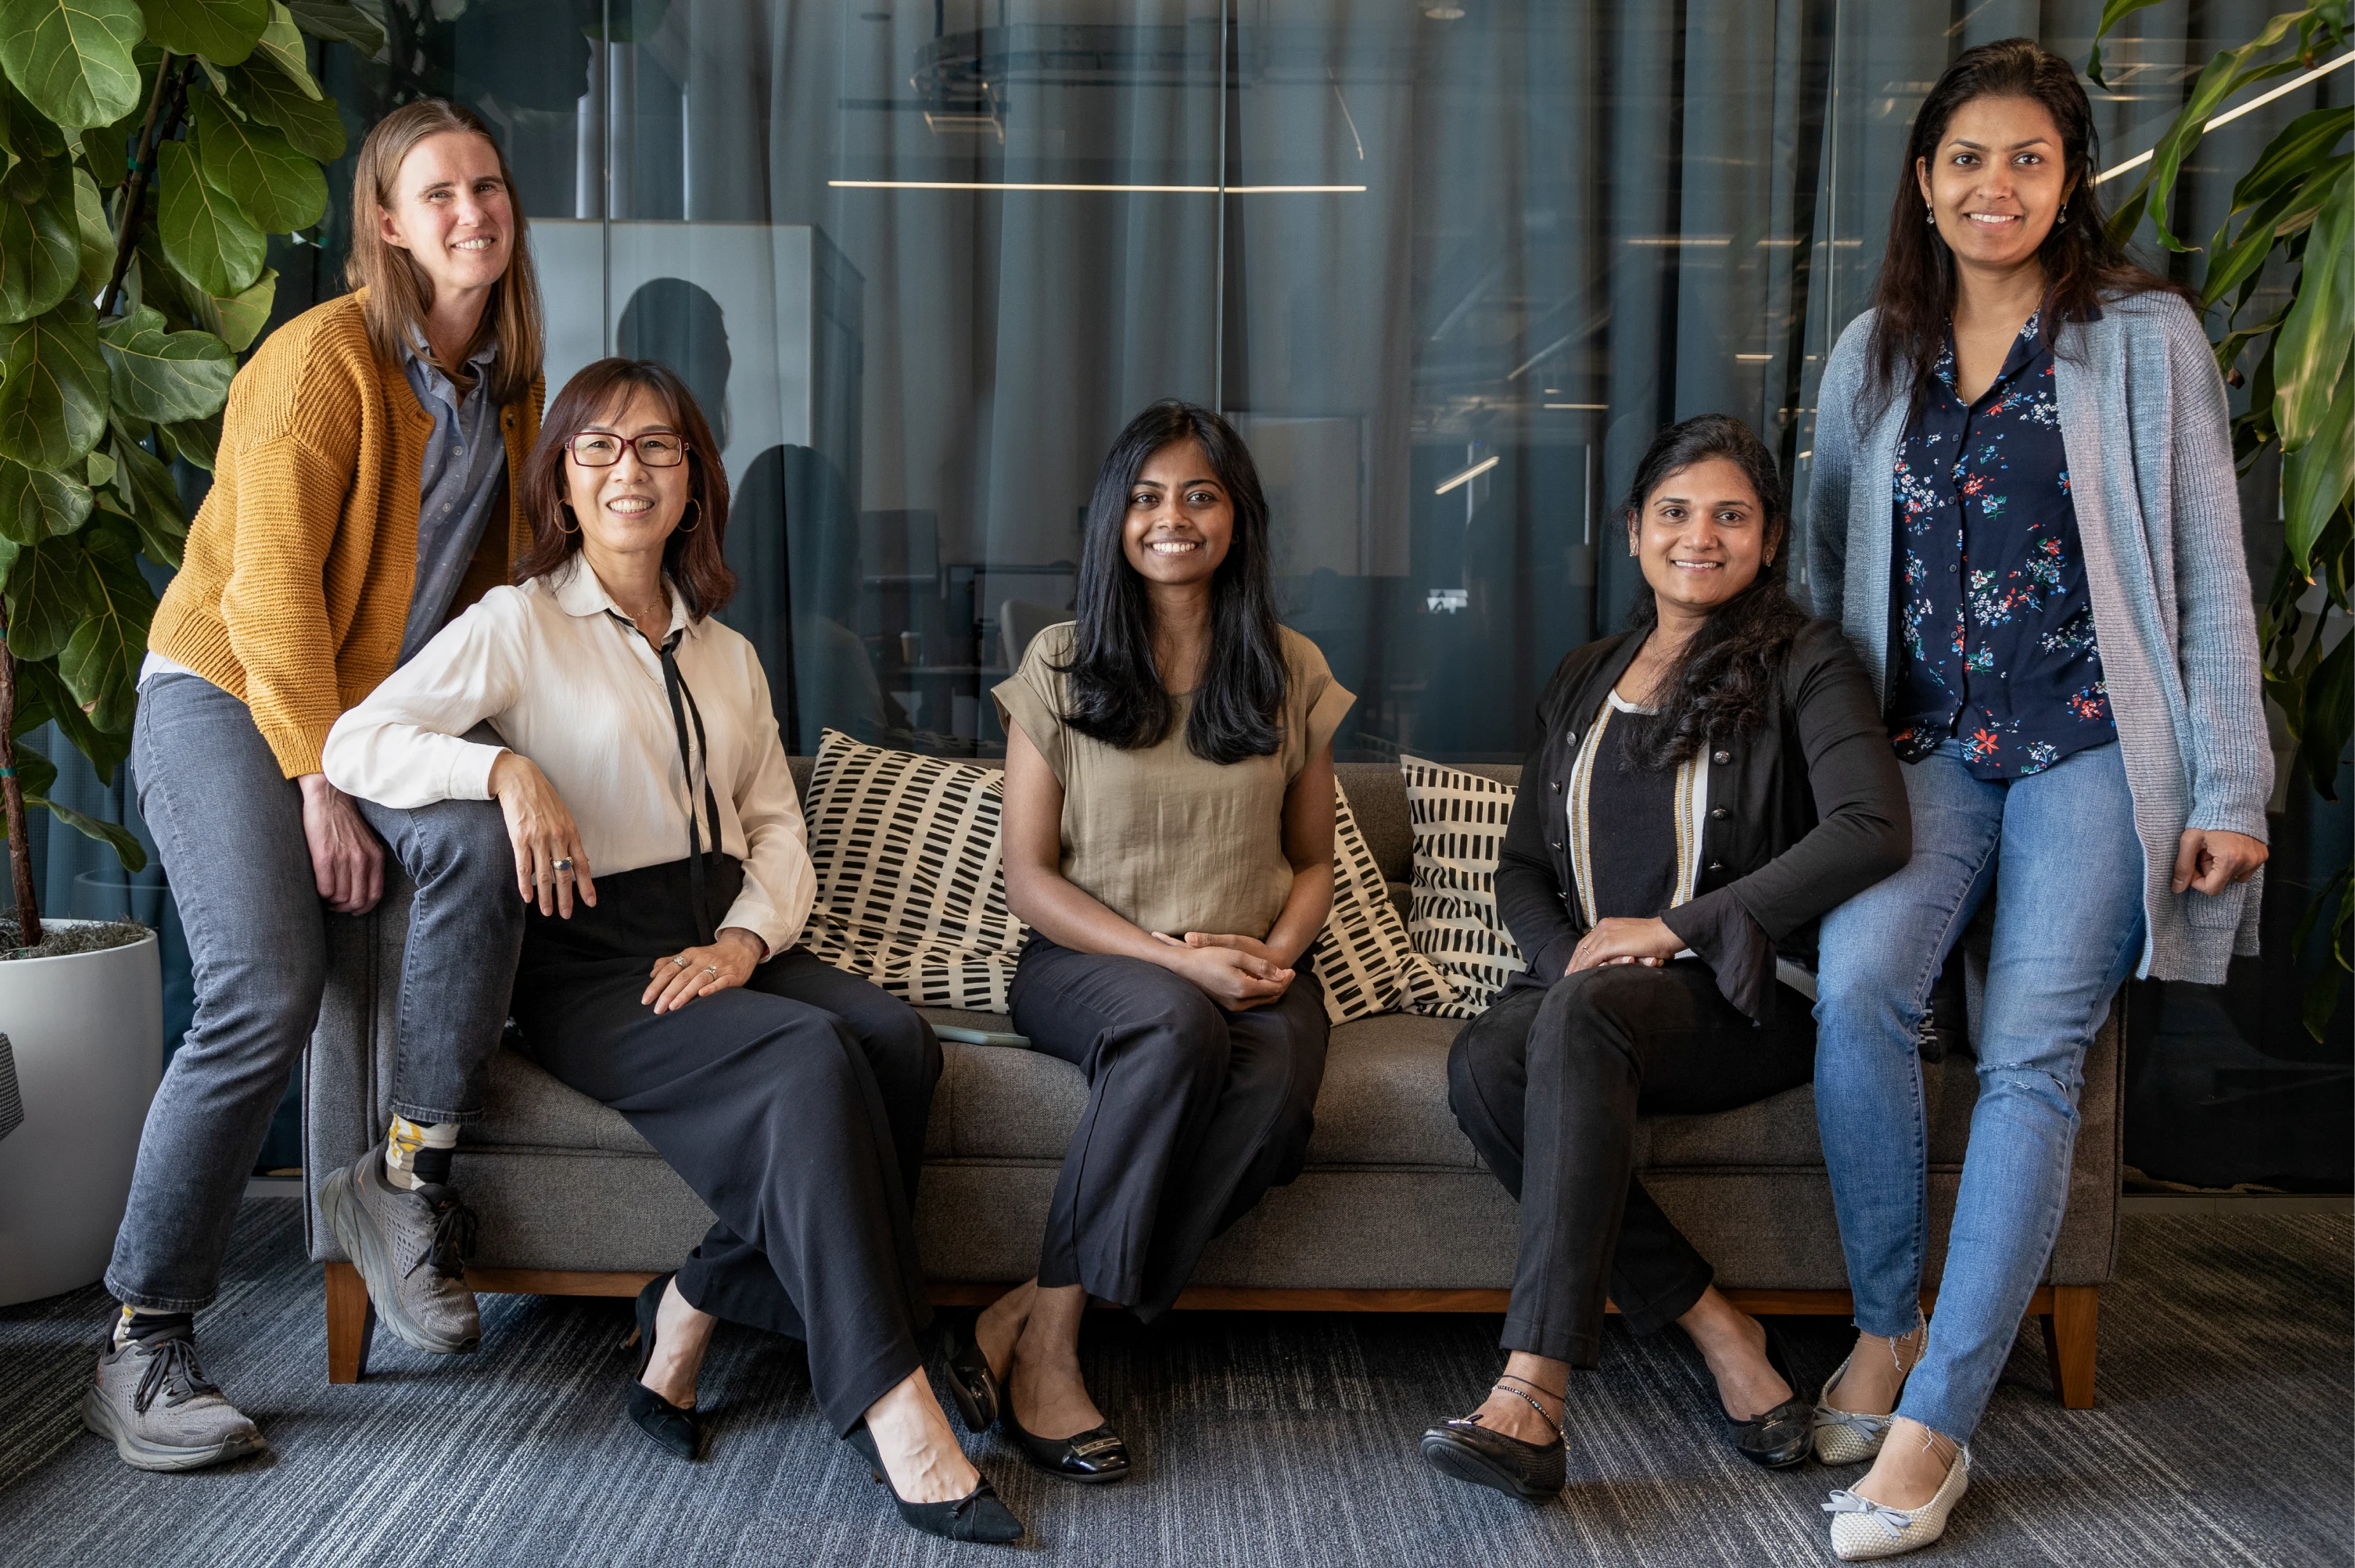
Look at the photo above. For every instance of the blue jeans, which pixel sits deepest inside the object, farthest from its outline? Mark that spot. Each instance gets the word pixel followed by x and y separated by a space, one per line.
pixel 2068 933
pixel 229 825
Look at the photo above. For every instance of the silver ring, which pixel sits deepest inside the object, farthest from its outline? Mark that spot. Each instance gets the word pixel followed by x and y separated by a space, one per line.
pixel 711 968
pixel 564 864
pixel 679 959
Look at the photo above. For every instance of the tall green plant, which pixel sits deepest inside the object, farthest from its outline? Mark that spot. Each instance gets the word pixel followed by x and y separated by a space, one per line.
pixel 2295 203
pixel 147 150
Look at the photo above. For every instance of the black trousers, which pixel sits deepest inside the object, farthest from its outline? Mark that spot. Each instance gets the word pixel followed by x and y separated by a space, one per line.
pixel 1193 1113
pixel 1548 1084
pixel 794 1106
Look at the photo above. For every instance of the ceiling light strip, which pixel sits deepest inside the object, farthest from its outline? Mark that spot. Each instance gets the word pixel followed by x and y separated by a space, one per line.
pixel 2231 114
pixel 1469 475
pixel 1117 190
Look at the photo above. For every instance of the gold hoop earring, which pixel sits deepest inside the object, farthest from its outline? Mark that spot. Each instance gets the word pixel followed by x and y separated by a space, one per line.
pixel 690 528
pixel 566 507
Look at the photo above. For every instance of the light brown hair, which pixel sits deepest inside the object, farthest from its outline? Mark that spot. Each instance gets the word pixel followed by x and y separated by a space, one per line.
pixel 397 289
pixel 692 556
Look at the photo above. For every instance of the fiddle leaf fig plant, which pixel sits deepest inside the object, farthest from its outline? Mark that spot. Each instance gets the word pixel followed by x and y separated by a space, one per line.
pixel 148 150
pixel 2294 206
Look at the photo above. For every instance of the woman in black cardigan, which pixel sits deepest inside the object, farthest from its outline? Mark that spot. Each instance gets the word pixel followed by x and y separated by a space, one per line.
pixel 1728 754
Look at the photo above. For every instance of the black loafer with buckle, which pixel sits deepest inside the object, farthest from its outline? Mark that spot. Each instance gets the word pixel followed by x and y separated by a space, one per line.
pixel 1783 1437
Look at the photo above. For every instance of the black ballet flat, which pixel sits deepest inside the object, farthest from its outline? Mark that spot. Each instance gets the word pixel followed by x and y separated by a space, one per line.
pixel 972 1383
pixel 1783 1435
pixel 1464 1450
pixel 976 1516
pixel 677 1431
pixel 1089 1457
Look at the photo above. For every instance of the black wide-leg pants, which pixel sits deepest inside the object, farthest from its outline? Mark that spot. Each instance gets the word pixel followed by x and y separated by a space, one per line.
pixel 794 1105
pixel 1548 1084
pixel 1194 1112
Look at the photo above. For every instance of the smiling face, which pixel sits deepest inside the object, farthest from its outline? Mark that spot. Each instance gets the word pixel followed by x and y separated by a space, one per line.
pixel 1701 536
pixel 453 212
pixel 1996 182
pixel 1180 520
pixel 629 508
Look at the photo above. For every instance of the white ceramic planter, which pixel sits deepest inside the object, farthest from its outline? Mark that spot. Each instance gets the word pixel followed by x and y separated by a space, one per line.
pixel 86 1030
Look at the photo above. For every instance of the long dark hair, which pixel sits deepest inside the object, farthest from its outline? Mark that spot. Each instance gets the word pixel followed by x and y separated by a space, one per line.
pixel 1116 695
pixel 2083 265
pixel 1724 681
pixel 692 558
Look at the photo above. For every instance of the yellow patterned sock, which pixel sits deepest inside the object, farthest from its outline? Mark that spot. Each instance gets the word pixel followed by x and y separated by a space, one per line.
pixel 416 1154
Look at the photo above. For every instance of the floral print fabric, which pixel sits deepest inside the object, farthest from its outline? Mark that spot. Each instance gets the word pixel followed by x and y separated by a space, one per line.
pixel 1990 627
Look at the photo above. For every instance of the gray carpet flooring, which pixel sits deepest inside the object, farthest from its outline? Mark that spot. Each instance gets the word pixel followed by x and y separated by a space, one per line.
pixel 2222 1437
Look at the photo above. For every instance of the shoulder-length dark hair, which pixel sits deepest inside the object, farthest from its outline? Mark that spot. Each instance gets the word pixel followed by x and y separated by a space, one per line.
pixel 691 556
pixel 2083 265
pixel 1116 694
pixel 1723 682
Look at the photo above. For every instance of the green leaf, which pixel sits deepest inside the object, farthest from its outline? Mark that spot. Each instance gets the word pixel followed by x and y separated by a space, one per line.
pixel 2330 717
pixel 72 57
pixel 2114 12
pixel 52 386
pixel 2316 477
pixel 36 504
pixel 160 375
pixel 124 843
pixel 2284 212
pixel 35 774
pixel 96 236
pixel 100 664
pixel 2310 352
pixel 42 698
pixel 311 125
pixel 283 47
pixel 280 189
pixel 2224 74
pixel 40 248
pixel 339 20
pixel 162 526
pixel 223 31
pixel 99 469
pixel 192 440
pixel 206 235
pixel 44 598
pixel 2291 155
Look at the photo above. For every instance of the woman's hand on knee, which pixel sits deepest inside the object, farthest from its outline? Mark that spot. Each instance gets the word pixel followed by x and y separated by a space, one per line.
pixel 550 864
pixel 700 971
pixel 1234 979
pixel 346 861
pixel 1619 940
pixel 2209 860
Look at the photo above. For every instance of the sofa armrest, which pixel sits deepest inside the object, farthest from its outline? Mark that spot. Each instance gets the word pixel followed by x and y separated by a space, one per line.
pixel 347 1067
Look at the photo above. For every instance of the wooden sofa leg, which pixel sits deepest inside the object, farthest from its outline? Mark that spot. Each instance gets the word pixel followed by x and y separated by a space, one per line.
pixel 2069 1336
pixel 351 1324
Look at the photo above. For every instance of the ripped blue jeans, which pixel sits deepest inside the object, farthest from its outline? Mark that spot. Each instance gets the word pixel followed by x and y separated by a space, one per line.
pixel 2067 868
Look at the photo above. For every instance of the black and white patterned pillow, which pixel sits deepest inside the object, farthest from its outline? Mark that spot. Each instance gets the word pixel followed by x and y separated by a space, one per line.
pixel 1363 955
pixel 1459 826
pixel 911 875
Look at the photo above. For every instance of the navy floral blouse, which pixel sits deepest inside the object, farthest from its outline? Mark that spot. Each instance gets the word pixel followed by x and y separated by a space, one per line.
pixel 1989 618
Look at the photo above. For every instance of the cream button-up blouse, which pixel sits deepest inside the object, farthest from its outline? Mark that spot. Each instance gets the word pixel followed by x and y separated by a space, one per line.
pixel 564 678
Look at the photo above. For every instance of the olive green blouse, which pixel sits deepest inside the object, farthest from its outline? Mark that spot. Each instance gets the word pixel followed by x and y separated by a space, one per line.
pixel 1163 838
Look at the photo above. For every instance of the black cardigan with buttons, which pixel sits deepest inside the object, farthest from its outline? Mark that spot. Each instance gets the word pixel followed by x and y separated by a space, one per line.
pixel 1805 812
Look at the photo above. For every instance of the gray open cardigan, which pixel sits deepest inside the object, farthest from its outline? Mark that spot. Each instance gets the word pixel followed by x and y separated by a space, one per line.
pixel 2144 425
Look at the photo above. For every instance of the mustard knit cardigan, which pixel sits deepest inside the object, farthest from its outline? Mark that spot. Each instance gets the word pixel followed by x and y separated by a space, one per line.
pixel 293 589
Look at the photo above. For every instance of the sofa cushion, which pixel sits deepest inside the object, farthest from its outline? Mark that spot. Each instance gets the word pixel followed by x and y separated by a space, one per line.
pixel 1459 826
pixel 1363 955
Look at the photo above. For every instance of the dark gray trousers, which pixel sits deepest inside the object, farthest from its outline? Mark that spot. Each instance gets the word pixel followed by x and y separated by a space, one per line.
pixel 1193 1113
pixel 1548 1084
pixel 794 1105
pixel 229 826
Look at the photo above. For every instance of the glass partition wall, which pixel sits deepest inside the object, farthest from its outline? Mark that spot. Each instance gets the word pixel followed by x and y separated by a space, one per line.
pixel 1447 264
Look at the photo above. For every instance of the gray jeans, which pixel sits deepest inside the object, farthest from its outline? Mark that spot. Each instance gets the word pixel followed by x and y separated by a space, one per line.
pixel 229 825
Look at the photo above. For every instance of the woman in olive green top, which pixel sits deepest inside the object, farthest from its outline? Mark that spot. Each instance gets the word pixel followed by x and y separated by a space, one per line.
pixel 1170 840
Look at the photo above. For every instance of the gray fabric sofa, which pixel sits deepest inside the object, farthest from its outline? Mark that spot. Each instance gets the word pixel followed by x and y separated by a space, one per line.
pixel 1394 1212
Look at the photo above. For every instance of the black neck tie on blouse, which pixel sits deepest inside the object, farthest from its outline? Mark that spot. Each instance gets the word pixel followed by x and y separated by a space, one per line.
pixel 683 707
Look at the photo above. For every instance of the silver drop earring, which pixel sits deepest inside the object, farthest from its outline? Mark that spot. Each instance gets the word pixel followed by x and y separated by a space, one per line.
pixel 1933 218
pixel 2064 213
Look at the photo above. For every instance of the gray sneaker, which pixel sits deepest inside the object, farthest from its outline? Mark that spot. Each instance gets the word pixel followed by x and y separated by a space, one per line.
pixel 154 1400
pixel 410 1248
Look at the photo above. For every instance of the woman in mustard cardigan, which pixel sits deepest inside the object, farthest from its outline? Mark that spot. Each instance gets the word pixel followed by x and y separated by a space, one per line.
pixel 362 498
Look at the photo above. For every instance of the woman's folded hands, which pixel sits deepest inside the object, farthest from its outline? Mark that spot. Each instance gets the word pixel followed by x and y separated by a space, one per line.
pixel 1236 972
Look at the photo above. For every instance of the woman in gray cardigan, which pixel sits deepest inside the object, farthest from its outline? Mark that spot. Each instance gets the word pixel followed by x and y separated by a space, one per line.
pixel 2023 513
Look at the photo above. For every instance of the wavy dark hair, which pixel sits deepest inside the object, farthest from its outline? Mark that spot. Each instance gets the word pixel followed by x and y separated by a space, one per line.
pixel 1723 682
pixel 1116 694
pixel 692 556
pixel 2083 265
